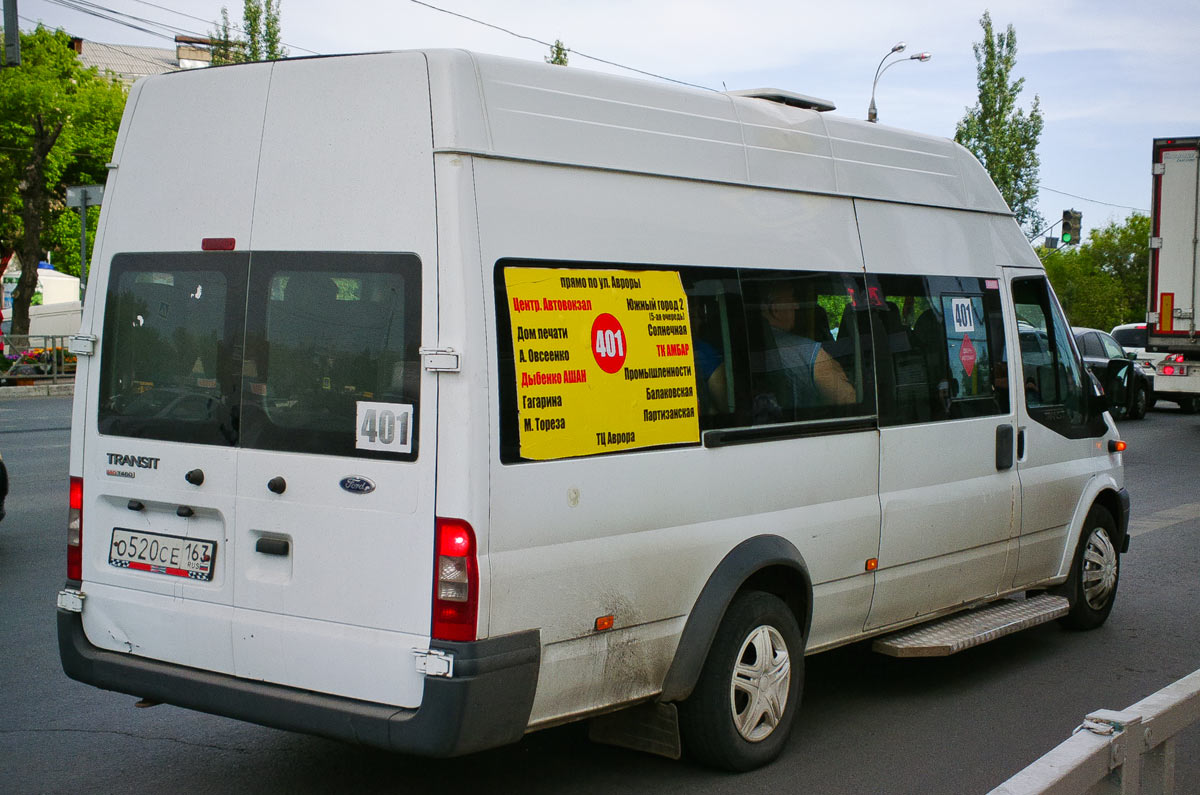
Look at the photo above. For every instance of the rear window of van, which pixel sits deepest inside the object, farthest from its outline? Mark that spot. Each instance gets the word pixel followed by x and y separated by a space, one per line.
pixel 289 351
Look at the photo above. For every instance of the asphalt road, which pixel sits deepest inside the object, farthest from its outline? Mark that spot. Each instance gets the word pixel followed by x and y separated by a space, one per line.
pixel 869 723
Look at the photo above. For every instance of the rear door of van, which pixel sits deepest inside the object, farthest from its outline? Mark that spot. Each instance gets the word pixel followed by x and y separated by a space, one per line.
pixel 260 380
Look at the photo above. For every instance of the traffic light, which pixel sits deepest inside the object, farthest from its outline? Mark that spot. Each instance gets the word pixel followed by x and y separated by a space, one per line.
pixel 1072 227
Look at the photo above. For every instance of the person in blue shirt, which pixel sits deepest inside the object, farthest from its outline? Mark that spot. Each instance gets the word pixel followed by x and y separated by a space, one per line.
pixel 803 373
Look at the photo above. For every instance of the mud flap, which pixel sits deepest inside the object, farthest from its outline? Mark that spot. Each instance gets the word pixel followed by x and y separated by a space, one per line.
pixel 652 727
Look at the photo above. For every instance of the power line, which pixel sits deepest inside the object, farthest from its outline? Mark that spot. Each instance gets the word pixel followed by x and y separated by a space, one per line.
pixel 1094 201
pixel 112 15
pixel 122 47
pixel 549 44
pixel 104 13
pixel 208 21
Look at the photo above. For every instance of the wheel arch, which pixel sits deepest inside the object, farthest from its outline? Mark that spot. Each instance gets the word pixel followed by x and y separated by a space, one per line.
pixel 763 563
pixel 1117 505
pixel 1105 493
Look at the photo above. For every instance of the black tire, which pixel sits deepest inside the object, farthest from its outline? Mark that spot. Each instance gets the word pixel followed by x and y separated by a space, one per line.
pixel 723 725
pixel 1152 401
pixel 1141 403
pixel 1091 587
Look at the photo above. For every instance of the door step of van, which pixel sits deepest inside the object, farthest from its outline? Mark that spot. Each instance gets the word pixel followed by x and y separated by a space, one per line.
pixel 973 627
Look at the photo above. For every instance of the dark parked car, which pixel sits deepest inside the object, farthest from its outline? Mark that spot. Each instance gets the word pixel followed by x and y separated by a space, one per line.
pixel 1099 349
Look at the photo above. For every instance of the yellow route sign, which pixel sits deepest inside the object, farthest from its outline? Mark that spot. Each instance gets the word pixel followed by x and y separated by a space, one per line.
pixel 604 360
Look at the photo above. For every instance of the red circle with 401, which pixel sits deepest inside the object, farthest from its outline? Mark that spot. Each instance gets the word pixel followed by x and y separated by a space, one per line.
pixel 608 343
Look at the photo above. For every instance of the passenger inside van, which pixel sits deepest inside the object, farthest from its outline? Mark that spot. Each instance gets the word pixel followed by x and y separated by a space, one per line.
pixel 801 372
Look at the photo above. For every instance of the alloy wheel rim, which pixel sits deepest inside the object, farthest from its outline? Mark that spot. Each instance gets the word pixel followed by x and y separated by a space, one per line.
pixel 1099 569
pixel 762 676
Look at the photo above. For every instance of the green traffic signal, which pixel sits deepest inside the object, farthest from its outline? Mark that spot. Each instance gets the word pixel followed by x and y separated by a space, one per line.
pixel 1072 225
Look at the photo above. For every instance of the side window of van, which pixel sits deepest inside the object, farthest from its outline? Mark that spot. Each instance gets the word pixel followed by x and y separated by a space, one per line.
pixel 718 332
pixel 602 358
pixel 806 333
pixel 1055 382
pixel 941 348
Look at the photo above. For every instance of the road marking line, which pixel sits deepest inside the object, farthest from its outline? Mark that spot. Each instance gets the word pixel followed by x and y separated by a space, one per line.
pixel 1167 517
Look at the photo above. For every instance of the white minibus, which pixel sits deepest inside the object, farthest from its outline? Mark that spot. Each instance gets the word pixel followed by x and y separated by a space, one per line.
pixel 427 399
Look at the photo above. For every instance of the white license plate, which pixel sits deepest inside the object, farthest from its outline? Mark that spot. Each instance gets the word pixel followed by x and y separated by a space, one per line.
pixel 162 554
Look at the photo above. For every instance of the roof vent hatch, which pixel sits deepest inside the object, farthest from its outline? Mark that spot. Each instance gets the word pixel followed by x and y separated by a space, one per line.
pixel 785 98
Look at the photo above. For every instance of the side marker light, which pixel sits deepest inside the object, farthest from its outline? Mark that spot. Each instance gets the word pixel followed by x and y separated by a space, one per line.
pixel 872 564
pixel 604 622
pixel 1116 446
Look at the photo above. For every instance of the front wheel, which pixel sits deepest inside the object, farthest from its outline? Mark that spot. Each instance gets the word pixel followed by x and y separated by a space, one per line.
pixel 1141 403
pixel 741 712
pixel 1091 587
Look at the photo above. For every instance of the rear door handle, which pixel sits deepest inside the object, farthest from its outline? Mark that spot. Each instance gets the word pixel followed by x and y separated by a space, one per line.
pixel 272 546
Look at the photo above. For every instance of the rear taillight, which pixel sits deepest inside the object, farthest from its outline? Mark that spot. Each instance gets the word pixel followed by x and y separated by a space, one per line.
pixel 1168 369
pixel 456 581
pixel 75 530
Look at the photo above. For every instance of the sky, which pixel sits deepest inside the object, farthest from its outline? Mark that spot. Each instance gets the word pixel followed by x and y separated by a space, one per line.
pixel 1111 76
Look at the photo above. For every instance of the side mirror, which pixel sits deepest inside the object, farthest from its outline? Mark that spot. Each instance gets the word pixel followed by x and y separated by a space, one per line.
pixel 1116 381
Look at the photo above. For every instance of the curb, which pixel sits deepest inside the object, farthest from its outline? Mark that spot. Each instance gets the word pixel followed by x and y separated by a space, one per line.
pixel 41 390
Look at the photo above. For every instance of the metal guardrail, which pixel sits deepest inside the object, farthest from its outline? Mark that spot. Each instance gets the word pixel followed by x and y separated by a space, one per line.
pixel 1126 752
pixel 32 359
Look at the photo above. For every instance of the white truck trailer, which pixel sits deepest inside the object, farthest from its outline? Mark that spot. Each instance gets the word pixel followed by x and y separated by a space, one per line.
pixel 1174 266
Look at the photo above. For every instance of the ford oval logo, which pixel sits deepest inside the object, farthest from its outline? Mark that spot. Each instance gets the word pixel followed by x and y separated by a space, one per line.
pixel 357 485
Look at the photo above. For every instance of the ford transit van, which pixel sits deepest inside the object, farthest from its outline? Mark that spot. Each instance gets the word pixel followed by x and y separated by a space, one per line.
pixel 426 399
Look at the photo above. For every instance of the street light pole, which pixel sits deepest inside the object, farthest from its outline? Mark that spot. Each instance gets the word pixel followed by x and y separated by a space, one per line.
pixel 872 113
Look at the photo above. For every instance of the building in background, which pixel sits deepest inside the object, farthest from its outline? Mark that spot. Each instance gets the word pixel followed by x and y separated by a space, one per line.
pixel 129 62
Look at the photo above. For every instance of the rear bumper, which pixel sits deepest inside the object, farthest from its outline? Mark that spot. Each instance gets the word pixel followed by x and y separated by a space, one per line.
pixel 485 704
pixel 1181 385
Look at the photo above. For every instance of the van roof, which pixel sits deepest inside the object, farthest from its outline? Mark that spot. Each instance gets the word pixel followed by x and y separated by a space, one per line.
pixel 509 108
pixel 526 110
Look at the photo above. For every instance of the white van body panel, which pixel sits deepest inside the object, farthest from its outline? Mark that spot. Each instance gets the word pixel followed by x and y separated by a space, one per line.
pixel 1103 481
pixel 352 174
pixel 464 488
pixel 175 170
pixel 296 619
pixel 515 109
pixel 940 474
pixel 552 538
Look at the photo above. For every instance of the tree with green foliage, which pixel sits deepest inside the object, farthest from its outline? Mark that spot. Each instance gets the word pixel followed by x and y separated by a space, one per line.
pixel 260 40
pixel 1102 283
pixel 58 123
pixel 1003 136
pixel 558 54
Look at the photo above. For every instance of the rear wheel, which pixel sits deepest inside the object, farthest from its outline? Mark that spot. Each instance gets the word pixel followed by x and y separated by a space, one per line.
pixel 1095 572
pixel 741 712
